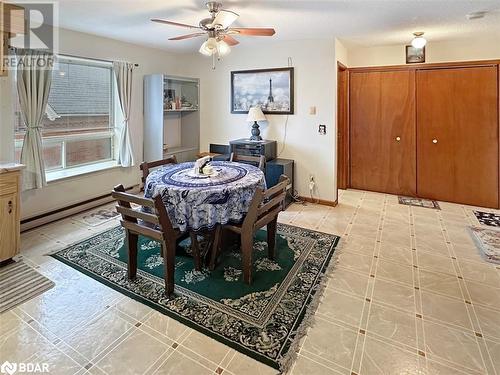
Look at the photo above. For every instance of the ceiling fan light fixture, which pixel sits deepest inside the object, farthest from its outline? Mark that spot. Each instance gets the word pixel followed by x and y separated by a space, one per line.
pixel 209 47
pixel 204 50
pixel 223 48
pixel 418 41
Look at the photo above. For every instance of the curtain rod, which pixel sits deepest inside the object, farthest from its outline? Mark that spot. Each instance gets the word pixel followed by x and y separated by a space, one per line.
pixel 89 58
pixel 74 56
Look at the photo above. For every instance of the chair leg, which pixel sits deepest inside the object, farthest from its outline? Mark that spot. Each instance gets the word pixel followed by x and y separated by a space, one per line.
pixel 246 256
pixel 215 247
pixel 169 266
pixel 131 243
pixel 195 246
pixel 271 238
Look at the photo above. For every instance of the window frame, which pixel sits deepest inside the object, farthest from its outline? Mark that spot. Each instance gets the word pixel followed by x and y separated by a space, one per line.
pixel 112 133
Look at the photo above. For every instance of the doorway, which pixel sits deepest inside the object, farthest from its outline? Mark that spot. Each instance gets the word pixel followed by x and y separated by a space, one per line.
pixel 342 126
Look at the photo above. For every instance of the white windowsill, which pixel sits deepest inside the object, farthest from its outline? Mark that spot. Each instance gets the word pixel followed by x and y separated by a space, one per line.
pixel 53 176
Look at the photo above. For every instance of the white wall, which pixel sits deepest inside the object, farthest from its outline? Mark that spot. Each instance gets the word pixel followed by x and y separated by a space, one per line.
pixel 66 192
pixel 459 50
pixel 341 53
pixel 315 71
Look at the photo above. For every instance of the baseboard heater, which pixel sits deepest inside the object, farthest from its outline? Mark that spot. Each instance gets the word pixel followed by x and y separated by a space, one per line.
pixel 76 208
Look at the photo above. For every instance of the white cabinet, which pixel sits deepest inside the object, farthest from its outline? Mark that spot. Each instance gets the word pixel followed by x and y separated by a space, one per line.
pixel 171 117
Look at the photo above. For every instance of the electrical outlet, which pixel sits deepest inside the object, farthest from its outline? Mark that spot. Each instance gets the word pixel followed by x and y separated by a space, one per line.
pixel 312 183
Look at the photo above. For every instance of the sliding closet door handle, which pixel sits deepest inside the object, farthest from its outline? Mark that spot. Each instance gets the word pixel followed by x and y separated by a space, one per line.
pixel 434 141
pixel 9 205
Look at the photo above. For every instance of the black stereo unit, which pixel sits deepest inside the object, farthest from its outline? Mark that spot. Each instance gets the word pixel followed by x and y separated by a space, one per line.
pixel 254 148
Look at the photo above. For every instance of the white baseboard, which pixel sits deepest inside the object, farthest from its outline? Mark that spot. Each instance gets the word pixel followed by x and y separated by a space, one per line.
pixel 74 209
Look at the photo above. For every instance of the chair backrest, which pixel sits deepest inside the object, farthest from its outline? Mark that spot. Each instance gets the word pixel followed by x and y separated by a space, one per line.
pixel 146 167
pixel 155 224
pixel 266 205
pixel 260 161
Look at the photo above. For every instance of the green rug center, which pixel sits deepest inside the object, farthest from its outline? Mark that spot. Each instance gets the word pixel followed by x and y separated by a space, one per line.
pixel 226 281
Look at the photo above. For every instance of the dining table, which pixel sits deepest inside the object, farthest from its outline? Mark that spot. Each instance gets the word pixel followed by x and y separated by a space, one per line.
pixel 199 203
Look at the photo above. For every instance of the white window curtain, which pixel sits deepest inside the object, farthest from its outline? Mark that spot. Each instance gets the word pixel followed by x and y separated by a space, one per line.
pixel 123 73
pixel 34 77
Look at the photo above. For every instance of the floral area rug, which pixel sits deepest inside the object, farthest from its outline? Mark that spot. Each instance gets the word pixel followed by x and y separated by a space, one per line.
pixel 488 218
pixel 418 202
pixel 488 243
pixel 264 320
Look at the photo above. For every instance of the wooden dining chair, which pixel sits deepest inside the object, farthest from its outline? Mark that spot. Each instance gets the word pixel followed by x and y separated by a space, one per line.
pixel 147 166
pixel 155 225
pixel 259 161
pixel 264 210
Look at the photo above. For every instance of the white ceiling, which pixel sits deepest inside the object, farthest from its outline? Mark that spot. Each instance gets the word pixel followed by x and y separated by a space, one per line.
pixel 356 22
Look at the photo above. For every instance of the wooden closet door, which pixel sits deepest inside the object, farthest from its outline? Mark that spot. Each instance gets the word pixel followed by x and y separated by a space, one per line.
pixel 382 129
pixel 457 135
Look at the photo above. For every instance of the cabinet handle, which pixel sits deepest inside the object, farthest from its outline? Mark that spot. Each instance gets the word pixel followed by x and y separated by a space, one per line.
pixel 10 206
pixel 398 139
pixel 434 141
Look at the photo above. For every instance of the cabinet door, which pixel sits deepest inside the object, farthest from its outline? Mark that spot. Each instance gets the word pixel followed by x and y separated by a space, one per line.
pixel 382 131
pixel 457 132
pixel 9 226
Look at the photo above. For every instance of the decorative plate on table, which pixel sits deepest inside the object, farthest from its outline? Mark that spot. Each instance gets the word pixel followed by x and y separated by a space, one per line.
pixel 204 175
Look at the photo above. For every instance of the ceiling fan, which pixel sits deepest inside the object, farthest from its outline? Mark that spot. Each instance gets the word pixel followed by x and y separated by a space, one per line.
pixel 218 29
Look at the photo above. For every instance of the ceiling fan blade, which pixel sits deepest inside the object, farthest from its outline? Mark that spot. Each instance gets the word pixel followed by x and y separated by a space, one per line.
pixel 224 19
pixel 159 20
pixel 230 40
pixel 187 36
pixel 252 31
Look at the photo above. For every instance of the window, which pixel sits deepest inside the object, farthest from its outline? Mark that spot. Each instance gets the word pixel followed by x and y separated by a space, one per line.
pixel 78 127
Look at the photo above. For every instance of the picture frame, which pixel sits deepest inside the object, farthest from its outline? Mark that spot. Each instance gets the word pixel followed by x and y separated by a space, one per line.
pixel 415 55
pixel 271 89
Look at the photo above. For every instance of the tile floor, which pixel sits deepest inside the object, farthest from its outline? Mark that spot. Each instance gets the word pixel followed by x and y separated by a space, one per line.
pixel 409 295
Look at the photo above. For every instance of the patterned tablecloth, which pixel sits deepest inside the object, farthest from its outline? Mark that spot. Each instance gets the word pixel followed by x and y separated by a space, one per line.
pixel 199 203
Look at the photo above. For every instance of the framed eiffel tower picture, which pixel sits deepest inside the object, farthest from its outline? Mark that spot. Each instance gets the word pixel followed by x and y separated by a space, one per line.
pixel 270 89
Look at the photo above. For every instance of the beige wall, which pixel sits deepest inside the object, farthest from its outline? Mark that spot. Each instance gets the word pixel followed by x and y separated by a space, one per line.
pixel 314 64
pixel 461 50
pixel 62 193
